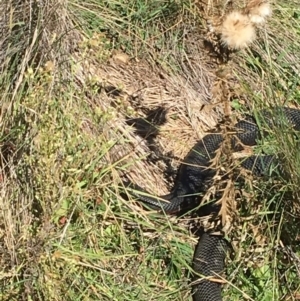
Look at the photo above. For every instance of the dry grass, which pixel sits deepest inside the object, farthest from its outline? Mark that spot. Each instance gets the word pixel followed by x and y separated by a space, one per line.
pixel 81 108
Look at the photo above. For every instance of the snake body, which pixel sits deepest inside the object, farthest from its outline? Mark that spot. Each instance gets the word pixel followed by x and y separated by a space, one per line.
pixel 192 177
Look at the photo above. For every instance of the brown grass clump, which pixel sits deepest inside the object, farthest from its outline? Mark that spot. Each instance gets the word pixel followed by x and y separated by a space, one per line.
pixel 41 28
pixel 140 94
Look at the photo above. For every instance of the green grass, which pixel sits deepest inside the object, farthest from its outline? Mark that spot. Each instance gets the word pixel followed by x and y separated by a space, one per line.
pixel 65 232
pixel 151 29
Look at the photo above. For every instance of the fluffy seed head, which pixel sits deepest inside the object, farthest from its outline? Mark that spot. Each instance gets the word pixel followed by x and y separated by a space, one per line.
pixel 264 10
pixel 237 31
pixel 258 11
pixel 256 19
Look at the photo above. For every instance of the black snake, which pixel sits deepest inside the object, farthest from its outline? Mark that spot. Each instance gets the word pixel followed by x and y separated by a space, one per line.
pixel 194 172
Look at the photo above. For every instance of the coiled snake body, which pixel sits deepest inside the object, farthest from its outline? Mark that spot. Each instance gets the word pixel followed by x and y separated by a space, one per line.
pixel 194 172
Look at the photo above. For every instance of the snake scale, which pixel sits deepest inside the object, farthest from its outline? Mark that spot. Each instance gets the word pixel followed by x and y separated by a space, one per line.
pixel 192 175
